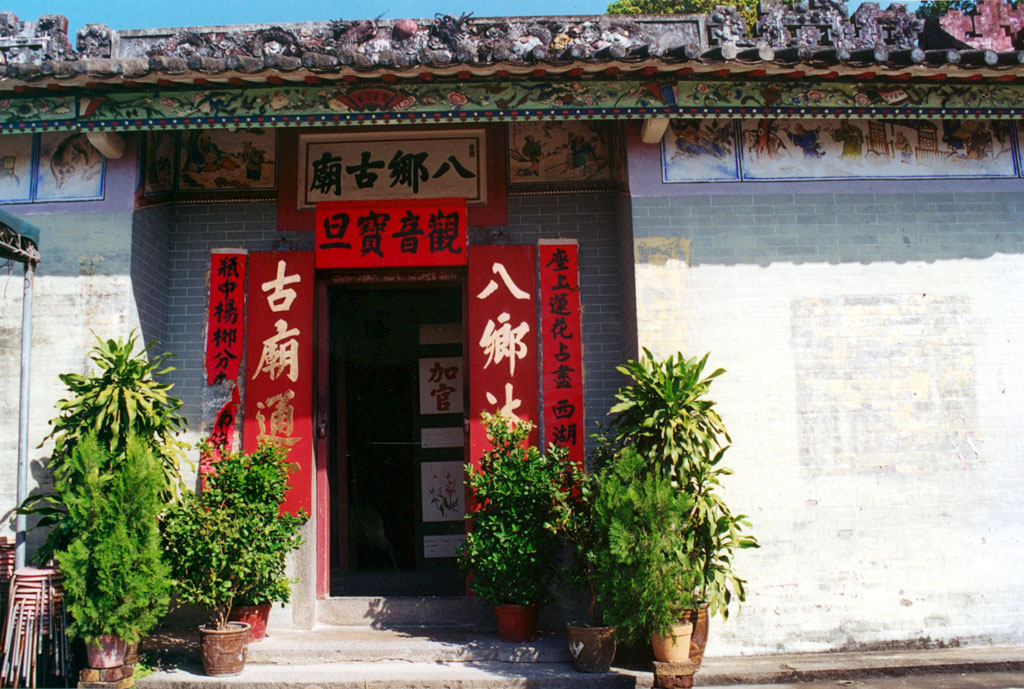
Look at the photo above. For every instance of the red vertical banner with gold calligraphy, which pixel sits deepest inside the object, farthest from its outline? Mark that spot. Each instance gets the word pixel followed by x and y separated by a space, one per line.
pixel 562 347
pixel 225 332
pixel 502 362
pixel 279 365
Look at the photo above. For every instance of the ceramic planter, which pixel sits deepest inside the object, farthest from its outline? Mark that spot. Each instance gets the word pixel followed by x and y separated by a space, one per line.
pixel 699 640
pixel 674 648
pixel 255 615
pixel 592 648
pixel 516 623
pixel 223 650
pixel 105 652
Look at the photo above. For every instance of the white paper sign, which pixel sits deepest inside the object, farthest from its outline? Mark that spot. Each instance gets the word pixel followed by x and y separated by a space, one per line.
pixel 443 491
pixel 441 385
pixel 432 438
pixel 442 546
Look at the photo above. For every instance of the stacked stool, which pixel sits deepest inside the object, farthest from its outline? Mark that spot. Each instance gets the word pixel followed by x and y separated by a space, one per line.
pixel 35 626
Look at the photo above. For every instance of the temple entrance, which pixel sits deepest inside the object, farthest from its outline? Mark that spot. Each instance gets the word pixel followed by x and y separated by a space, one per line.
pixel 397 401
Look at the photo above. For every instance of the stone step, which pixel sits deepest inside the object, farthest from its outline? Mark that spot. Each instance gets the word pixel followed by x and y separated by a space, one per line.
pixel 396 675
pixel 342 644
pixel 398 611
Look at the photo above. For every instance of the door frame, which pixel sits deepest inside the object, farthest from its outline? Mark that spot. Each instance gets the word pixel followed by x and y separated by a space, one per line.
pixel 451 276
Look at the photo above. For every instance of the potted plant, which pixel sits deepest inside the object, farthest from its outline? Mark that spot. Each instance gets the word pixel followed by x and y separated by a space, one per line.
pixel 227 541
pixel 591 644
pixel 646 577
pixel 511 551
pixel 665 416
pixel 115 582
pixel 121 398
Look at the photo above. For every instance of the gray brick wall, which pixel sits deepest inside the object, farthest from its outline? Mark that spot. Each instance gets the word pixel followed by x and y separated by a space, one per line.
pixel 589 218
pixel 150 269
pixel 198 229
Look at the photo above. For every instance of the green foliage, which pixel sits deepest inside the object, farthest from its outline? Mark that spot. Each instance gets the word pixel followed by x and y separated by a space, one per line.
pixel 665 416
pixel 119 400
pixel 645 576
pixel 229 544
pixel 933 9
pixel 114 578
pixel 512 548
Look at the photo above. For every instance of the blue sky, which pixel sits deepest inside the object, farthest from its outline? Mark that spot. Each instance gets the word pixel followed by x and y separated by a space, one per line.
pixel 143 14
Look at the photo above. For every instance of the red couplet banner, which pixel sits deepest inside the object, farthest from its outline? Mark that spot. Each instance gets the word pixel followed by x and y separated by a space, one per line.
pixel 502 362
pixel 391 234
pixel 279 365
pixel 562 348
pixel 225 332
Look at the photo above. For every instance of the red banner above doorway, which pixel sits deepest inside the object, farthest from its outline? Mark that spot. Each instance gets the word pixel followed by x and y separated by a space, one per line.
pixel 391 234
pixel 279 365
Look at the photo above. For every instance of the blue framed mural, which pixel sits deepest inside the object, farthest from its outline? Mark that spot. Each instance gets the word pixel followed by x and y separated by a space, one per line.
pixel 54 166
pixel 812 149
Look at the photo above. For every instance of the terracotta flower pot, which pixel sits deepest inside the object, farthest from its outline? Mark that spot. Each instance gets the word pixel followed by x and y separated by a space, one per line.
pixel 699 640
pixel 223 650
pixel 105 652
pixel 131 653
pixel 674 648
pixel 255 615
pixel 592 648
pixel 516 623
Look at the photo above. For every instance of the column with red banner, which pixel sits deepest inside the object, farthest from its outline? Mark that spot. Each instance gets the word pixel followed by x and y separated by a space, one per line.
pixel 279 365
pixel 225 333
pixel 502 362
pixel 562 347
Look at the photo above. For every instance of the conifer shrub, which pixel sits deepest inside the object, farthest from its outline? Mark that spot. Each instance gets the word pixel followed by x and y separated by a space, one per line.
pixel 115 580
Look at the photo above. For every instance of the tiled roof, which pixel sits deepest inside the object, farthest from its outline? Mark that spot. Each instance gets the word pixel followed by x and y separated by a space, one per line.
pixel 815 39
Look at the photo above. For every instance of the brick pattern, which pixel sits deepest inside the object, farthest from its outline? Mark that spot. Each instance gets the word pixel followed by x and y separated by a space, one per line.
pixel 872 344
pixel 150 269
pixel 589 218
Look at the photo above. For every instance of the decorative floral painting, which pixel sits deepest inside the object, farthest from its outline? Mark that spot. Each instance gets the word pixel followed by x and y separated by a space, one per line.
pixel 159 162
pixel 556 152
pixel 443 491
pixel 830 149
pixel 222 160
pixel 697 150
pixel 69 168
pixel 15 167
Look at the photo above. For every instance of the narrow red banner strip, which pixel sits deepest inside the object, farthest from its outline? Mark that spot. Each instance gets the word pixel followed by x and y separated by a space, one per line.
pixel 225 332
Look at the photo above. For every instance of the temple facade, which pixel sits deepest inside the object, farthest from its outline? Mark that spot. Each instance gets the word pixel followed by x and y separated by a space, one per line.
pixel 356 236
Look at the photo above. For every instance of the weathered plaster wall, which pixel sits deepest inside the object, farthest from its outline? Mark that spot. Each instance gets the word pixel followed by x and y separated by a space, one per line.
pixel 872 338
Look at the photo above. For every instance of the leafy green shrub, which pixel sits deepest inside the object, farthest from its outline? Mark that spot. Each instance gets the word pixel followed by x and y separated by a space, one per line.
pixel 229 544
pixel 114 578
pixel 512 548
pixel 665 417
pixel 122 399
pixel 644 576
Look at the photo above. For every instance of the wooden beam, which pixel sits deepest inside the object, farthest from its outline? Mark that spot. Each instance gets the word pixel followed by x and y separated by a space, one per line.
pixel 653 130
pixel 109 144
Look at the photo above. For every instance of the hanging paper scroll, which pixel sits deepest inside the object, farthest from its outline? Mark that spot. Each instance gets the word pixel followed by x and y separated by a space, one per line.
pixel 562 347
pixel 279 365
pixel 225 333
pixel 502 365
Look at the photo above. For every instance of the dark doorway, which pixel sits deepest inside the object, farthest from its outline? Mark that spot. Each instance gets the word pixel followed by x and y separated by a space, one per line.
pixel 384 541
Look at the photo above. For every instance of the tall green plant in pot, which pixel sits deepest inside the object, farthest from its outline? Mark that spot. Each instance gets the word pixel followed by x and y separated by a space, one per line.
pixel 230 541
pixel 119 399
pixel 511 550
pixel 645 577
pixel 665 416
pixel 115 581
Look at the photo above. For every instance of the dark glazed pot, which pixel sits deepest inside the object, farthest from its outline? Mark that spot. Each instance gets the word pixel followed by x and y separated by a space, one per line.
pixel 592 648
pixel 699 641
pixel 223 650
